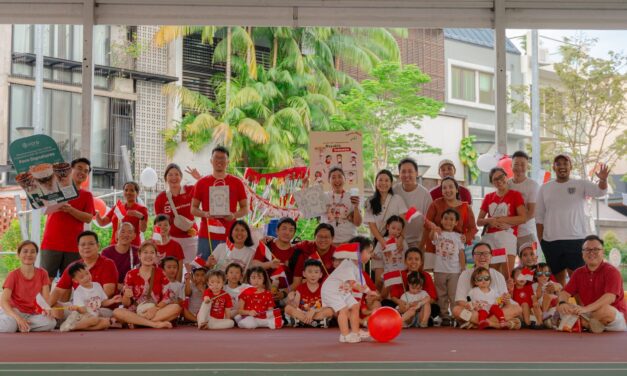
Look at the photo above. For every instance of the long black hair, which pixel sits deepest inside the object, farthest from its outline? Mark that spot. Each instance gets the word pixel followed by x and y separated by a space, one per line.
pixel 392 219
pixel 375 201
pixel 249 237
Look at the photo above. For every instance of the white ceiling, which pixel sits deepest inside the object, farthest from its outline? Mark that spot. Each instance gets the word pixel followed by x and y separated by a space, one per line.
pixel 546 14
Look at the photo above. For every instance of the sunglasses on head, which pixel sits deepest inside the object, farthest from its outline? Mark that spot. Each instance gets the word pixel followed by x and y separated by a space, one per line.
pixel 540 274
pixel 482 278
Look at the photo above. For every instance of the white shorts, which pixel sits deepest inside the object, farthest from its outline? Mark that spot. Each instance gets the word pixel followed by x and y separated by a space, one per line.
pixel 501 239
pixel 337 301
pixel 429 261
pixel 618 325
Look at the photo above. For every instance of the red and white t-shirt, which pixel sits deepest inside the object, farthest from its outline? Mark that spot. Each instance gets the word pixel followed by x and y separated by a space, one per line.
pixel 257 301
pixel 183 203
pixel 103 271
pixel 171 248
pixel 309 299
pixel 24 291
pixel 504 206
pixel 139 285
pixel 62 229
pixel 220 304
pixel 127 218
pixel 523 295
pixel 237 193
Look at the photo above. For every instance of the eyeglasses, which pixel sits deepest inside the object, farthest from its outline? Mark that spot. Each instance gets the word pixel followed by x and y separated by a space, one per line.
pixel 499 178
pixel 482 278
pixel 482 254
pixel 540 274
pixel 591 250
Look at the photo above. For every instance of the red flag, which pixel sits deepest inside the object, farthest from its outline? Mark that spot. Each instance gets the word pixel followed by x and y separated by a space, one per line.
pixel 278 273
pixel 156 235
pixel 198 262
pixel 412 214
pixel 347 251
pixel 214 226
pixel 264 251
pixel 275 320
pixel 499 255
pixel 120 210
pixel 392 278
pixel 41 305
pixel 526 275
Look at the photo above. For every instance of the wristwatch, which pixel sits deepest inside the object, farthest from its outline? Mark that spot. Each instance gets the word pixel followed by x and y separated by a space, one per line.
pixel 562 302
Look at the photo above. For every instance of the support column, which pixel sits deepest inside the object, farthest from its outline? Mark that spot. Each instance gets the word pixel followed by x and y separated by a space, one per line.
pixel 536 163
pixel 88 77
pixel 501 77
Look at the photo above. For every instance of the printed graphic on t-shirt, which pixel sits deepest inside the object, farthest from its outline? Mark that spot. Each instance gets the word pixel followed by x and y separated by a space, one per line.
pixel 447 249
pixel 499 210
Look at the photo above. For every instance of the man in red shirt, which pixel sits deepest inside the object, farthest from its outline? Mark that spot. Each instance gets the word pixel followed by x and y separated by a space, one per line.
pixel 447 168
pixel 102 269
pixel 238 203
pixel 58 248
pixel 599 287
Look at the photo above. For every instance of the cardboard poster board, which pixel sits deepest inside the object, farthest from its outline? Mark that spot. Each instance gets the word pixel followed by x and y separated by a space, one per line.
pixel 342 149
pixel 41 171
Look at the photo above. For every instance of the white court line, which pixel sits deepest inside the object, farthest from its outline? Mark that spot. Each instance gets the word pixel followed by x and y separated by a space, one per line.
pixel 574 363
pixel 317 370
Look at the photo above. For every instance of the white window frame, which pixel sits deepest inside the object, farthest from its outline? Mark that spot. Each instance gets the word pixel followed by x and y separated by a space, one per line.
pixel 450 63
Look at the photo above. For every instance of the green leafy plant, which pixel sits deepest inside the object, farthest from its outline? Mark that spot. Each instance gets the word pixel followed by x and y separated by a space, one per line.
pixel 468 156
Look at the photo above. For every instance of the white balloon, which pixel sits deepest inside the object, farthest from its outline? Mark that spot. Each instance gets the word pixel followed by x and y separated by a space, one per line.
pixel 615 257
pixel 486 162
pixel 148 177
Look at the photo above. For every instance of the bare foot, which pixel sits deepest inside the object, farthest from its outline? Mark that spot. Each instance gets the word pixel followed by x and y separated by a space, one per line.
pixel 163 325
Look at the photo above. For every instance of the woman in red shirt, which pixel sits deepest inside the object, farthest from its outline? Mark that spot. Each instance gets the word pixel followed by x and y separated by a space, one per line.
pixel 180 196
pixel 502 211
pixel 321 248
pixel 20 289
pixel 131 211
pixel 147 298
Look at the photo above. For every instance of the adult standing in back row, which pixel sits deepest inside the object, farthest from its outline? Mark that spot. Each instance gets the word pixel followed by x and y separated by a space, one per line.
pixel 446 168
pixel 561 219
pixel 213 229
pixel 528 188
pixel 414 195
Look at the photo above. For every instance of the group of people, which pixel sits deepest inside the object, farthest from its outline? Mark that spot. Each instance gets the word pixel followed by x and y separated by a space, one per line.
pixel 212 272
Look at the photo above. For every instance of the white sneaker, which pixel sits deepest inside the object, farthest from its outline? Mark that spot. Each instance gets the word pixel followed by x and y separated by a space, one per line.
pixel 350 338
pixel 364 334
pixel 69 323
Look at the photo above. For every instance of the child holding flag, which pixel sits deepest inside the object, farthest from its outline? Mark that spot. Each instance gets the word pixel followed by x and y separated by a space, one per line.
pixel 215 312
pixel 388 256
pixel 337 289
pixel 131 211
pixel 523 294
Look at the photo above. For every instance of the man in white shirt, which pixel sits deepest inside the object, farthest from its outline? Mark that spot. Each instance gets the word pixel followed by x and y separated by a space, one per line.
pixel 414 195
pixel 528 188
pixel 482 255
pixel 561 220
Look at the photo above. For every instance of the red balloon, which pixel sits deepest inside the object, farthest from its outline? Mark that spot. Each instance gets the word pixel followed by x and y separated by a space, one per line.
pixel 506 164
pixel 385 324
pixel 100 206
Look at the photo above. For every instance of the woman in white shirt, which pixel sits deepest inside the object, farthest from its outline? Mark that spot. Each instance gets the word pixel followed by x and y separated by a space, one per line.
pixel 381 206
pixel 342 209
pixel 241 249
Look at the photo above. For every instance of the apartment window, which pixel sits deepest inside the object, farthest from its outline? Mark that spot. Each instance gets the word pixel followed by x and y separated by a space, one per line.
pixel 472 85
pixel 463 84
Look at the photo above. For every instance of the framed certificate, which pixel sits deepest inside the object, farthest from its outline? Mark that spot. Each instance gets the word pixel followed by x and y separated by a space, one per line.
pixel 219 200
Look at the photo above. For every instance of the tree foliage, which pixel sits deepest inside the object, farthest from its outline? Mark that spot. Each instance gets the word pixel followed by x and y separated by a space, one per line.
pixel 587 113
pixel 381 107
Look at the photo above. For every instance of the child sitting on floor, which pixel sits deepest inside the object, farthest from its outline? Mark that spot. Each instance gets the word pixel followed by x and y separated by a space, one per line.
pixel 87 299
pixel 484 300
pixel 305 304
pixel 546 292
pixel 234 287
pixel 256 303
pixel 195 286
pixel 523 295
pixel 215 312
pixel 337 289
pixel 170 266
pixel 418 306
